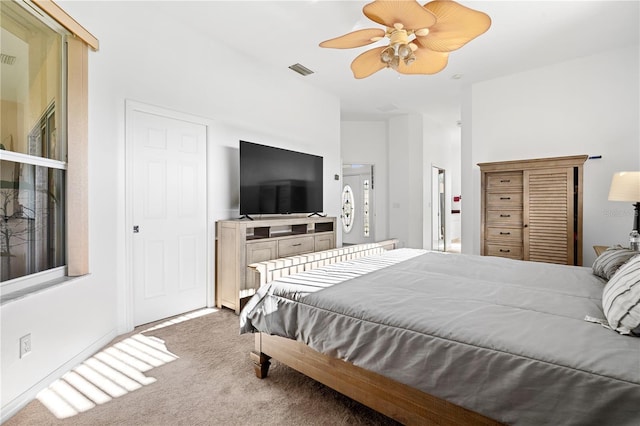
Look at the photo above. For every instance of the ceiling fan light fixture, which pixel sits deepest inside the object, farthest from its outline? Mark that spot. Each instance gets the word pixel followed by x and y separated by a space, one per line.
pixel 387 55
pixel 395 62
pixel 419 35
pixel 404 50
pixel 410 59
pixel 392 55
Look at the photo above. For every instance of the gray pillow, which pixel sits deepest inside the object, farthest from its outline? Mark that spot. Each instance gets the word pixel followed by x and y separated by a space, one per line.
pixel 621 298
pixel 610 260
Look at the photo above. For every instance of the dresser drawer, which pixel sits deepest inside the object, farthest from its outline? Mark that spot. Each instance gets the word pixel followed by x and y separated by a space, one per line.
pixel 504 199
pixel 293 246
pixel 324 242
pixel 504 250
pixel 504 217
pixel 502 234
pixel 499 181
pixel 259 251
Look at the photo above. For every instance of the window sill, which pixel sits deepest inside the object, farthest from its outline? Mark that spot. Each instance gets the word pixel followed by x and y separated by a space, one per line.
pixel 12 296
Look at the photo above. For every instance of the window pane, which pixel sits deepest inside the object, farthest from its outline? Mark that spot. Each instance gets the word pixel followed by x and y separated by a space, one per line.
pixel 31 86
pixel 32 223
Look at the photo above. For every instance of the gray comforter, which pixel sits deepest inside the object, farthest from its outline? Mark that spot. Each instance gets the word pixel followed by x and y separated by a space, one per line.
pixel 501 337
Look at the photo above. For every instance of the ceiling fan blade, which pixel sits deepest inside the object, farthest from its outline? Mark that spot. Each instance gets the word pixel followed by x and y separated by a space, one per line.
pixel 407 12
pixel 354 39
pixel 456 26
pixel 368 63
pixel 427 62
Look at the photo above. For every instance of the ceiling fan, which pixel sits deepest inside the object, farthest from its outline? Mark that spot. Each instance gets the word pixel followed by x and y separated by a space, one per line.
pixel 420 37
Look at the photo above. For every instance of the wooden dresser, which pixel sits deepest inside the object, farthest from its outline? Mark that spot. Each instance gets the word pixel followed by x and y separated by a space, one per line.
pixel 503 215
pixel 240 243
pixel 532 209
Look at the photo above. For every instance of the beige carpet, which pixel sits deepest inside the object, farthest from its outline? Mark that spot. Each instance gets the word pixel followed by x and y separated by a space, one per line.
pixel 212 383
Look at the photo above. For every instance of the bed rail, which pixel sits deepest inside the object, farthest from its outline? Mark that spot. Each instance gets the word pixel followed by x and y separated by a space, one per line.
pixel 270 270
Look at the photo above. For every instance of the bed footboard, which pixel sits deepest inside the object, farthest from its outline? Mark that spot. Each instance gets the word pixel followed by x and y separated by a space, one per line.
pixel 401 402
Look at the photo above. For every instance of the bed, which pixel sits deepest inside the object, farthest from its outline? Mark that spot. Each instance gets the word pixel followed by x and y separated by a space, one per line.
pixel 429 337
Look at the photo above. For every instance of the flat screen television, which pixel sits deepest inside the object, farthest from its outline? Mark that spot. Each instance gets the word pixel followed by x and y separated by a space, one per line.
pixel 279 181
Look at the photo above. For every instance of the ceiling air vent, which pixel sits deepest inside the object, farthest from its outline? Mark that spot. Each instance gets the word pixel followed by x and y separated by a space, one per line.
pixel 300 69
pixel 7 59
pixel 387 107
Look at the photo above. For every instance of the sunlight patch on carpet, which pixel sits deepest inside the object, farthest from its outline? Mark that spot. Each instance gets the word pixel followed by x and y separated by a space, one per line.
pixel 111 373
pixel 182 318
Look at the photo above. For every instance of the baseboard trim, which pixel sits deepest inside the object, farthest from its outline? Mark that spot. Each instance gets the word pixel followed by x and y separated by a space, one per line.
pixel 18 403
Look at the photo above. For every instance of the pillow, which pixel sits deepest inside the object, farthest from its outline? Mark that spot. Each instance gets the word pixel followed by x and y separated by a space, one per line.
pixel 610 260
pixel 621 298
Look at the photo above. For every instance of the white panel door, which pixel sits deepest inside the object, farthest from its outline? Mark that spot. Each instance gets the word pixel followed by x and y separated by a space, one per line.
pixel 169 262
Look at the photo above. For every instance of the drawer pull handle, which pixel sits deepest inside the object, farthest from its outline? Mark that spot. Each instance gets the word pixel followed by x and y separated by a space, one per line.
pixel 504 251
pixel 505 198
pixel 505 215
pixel 296 245
pixel 505 181
pixel 505 233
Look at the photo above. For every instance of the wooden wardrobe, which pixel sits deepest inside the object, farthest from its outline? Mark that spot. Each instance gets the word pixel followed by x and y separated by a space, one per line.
pixel 532 209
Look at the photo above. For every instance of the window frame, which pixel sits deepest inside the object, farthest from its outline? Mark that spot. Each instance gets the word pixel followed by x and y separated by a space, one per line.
pixel 75 115
pixel 60 16
pixel 77 136
pixel 55 272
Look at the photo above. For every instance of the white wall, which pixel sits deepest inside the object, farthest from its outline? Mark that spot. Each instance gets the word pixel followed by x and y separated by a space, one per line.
pixel 584 106
pixel 148 57
pixel 365 142
pixel 406 180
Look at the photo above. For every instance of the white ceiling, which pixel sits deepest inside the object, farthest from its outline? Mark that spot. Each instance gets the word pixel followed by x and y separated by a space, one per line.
pixel 523 35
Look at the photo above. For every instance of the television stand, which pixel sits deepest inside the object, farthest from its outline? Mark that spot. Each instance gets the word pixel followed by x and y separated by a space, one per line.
pixel 245 216
pixel 317 214
pixel 239 243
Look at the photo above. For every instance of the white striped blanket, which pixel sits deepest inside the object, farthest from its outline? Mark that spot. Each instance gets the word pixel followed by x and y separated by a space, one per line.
pixel 296 286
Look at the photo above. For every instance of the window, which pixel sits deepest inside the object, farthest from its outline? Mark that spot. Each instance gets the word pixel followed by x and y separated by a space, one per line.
pixel 32 168
pixel 42 163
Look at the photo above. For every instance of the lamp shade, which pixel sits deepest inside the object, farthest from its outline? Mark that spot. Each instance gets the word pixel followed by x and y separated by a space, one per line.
pixel 625 186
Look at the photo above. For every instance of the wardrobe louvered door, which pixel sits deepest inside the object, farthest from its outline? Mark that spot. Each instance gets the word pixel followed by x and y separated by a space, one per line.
pixel 532 209
pixel 549 215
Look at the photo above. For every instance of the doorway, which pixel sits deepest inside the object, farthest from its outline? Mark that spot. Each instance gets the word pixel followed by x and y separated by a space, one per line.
pixel 438 217
pixel 357 203
pixel 166 214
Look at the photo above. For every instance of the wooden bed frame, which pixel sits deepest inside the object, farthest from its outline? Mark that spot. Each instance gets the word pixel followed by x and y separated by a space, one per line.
pixel 389 397
pixel 403 403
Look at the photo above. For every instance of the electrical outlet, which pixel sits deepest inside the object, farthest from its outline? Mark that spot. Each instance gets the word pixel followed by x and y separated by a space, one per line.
pixel 25 345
